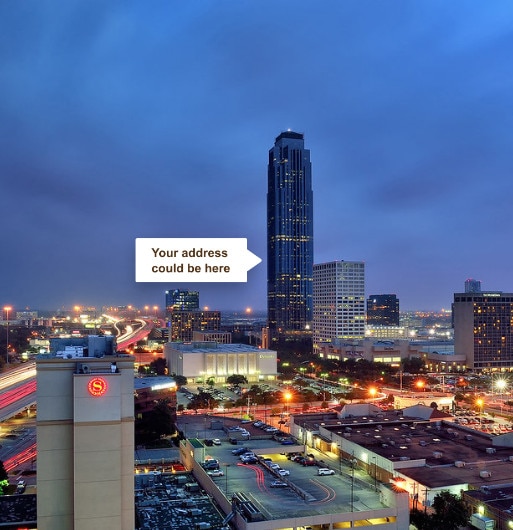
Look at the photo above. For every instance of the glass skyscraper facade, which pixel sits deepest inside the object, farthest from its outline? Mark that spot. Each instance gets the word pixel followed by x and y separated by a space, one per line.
pixel 382 310
pixel 289 237
pixel 182 300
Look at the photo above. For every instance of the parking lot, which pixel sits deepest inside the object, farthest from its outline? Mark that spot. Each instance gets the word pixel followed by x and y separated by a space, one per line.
pixel 277 483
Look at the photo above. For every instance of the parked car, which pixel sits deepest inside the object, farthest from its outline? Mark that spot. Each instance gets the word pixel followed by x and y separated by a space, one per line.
pixel 278 484
pixel 288 441
pixel 325 471
pixel 284 472
pixel 208 443
pixel 216 473
pixel 216 441
pixel 233 441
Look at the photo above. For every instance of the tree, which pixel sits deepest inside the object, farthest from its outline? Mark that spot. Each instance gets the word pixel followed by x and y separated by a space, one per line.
pixel 236 380
pixel 421 520
pixel 159 366
pixel 155 423
pixel 450 511
pixel 414 365
pixel 202 400
pixel 4 479
pixel 180 380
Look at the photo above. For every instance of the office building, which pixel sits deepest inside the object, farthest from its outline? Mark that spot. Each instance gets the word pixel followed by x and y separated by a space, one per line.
pixel 85 442
pixel 483 329
pixel 182 300
pixel 472 286
pixel 183 324
pixel 383 310
pixel 289 238
pixel 339 302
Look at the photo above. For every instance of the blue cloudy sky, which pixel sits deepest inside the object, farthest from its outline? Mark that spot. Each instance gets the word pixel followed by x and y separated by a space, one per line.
pixel 125 119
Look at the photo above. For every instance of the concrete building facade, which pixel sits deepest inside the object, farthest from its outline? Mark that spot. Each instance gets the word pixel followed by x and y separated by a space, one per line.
pixel 199 361
pixel 85 443
pixel 483 329
pixel 339 302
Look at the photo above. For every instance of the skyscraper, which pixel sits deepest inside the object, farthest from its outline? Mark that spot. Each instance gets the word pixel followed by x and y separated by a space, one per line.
pixel 472 286
pixel 182 300
pixel 289 238
pixel 339 301
pixel 483 329
pixel 382 310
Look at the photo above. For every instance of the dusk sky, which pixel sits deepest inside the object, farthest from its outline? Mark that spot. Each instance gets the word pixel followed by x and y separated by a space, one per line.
pixel 123 119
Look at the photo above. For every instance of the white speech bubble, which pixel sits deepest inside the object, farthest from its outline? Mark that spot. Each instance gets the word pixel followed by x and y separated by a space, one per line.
pixel 193 260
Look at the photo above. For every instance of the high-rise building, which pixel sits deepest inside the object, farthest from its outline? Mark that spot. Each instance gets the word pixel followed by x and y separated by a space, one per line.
pixel 339 301
pixel 182 300
pixel 383 310
pixel 289 238
pixel 472 286
pixel 184 323
pixel 85 442
pixel 483 329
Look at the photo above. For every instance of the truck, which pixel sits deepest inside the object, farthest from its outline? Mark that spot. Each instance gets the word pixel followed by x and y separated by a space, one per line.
pixel 482 522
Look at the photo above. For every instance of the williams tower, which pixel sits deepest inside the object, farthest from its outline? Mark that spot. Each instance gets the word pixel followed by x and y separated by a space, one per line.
pixel 289 238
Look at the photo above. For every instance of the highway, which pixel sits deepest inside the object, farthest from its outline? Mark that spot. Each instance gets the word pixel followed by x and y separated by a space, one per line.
pixel 130 332
pixel 18 385
pixel 18 390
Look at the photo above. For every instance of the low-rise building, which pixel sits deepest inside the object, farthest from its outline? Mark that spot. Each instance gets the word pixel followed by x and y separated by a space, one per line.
pixel 199 361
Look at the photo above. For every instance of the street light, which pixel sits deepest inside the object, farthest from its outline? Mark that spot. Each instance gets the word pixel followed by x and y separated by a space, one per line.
pixel 421 385
pixel 287 396
pixel 480 404
pixel 7 309
pixel 501 385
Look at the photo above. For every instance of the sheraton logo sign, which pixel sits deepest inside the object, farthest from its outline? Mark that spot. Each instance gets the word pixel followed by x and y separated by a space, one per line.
pixel 97 386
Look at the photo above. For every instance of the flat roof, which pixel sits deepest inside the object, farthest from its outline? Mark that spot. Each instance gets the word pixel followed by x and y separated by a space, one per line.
pixel 452 454
pixel 157 382
pixel 199 347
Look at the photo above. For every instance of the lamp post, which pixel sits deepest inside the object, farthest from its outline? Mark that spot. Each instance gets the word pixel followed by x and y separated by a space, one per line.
pixel 480 405
pixel 352 485
pixel 287 396
pixel 7 309
pixel 501 384
pixel 324 375
pixel 226 466
pixel 375 473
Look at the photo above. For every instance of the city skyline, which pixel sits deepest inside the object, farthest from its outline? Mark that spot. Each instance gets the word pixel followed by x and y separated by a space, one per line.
pixel 122 122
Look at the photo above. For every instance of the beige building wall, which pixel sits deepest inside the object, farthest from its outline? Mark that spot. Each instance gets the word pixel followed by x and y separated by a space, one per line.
pixel 85 445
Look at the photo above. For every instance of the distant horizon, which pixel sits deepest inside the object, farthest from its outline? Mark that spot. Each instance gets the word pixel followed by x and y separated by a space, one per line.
pixel 161 309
